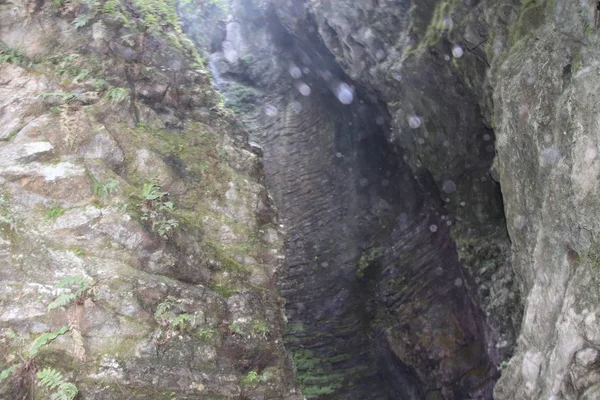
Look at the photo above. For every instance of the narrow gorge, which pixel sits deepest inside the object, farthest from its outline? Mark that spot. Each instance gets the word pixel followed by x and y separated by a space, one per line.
pixel 262 199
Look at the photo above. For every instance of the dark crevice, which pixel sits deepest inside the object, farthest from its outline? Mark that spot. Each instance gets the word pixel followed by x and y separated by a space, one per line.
pixel 378 306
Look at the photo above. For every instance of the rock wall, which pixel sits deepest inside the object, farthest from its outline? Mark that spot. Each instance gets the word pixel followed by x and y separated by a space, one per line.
pixel 433 165
pixel 137 242
pixel 378 305
pixel 545 90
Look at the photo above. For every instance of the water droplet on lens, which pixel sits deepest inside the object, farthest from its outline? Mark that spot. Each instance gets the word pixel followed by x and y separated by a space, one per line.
pixel 296 106
pixel 448 23
pixel 344 93
pixel 449 186
pixel 303 88
pixel 295 72
pixel 414 121
pixel 590 154
pixel 457 51
pixel 271 110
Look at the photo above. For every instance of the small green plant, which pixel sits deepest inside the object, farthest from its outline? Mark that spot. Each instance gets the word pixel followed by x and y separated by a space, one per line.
pixel 254 378
pixel 117 95
pixel 260 329
pixel 44 339
pixel 203 166
pixel 77 250
pixel 89 10
pixel 77 289
pixel 171 322
pixel 7 219
pixel 55 384
pixel 63 97
pixel 152 191
pixel 246 247
pixel 11 55
pixel 205 334
pixel 367 261
pixel 23 373
pixel 54 212
pixel 164 227
pixel 236 329
pixel 156 208
pixel 110 7
pixel 105 189
pixel 99 83
pixel 70 66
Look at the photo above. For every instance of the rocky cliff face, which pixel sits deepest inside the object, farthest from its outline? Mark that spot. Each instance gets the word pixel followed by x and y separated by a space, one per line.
pixel 545 92
pixel 449 85
pixel 137 242
pixel 433 166
pixel 368 179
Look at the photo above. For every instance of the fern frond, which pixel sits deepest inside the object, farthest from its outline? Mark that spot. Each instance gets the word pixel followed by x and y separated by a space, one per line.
pixel 54 381
pixel 62 300
pixel 66 391
pixel 50 378
pixel 82 20
pixel 180 321
pixel 44 339
pixel 8 372
pixel 72 281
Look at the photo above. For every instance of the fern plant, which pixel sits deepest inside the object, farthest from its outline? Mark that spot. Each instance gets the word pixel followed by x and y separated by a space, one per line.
pixel 89 10
pixel 11 55
pixel 105 189
pixel 152 191
pixel 44 339
pixel 64 97
pixel 156 209
pixel 78 288
pixel 22 369
pixel 56 385
pixel 171 322
pixel 254 378
pixel 117 95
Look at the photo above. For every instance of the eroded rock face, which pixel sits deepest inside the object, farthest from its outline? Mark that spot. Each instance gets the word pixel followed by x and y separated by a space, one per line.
pixel 547 128
pixel 377 303
pixel 118 168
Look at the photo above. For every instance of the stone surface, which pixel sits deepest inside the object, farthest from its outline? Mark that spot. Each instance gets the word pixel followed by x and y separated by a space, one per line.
pixel 76 172
pixel 371 272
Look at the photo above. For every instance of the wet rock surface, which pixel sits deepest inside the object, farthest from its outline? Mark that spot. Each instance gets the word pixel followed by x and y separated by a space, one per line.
pixel 433 167
pixel 378 303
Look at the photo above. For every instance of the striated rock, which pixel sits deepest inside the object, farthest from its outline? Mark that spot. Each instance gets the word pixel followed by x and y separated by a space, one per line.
pixel 377 304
